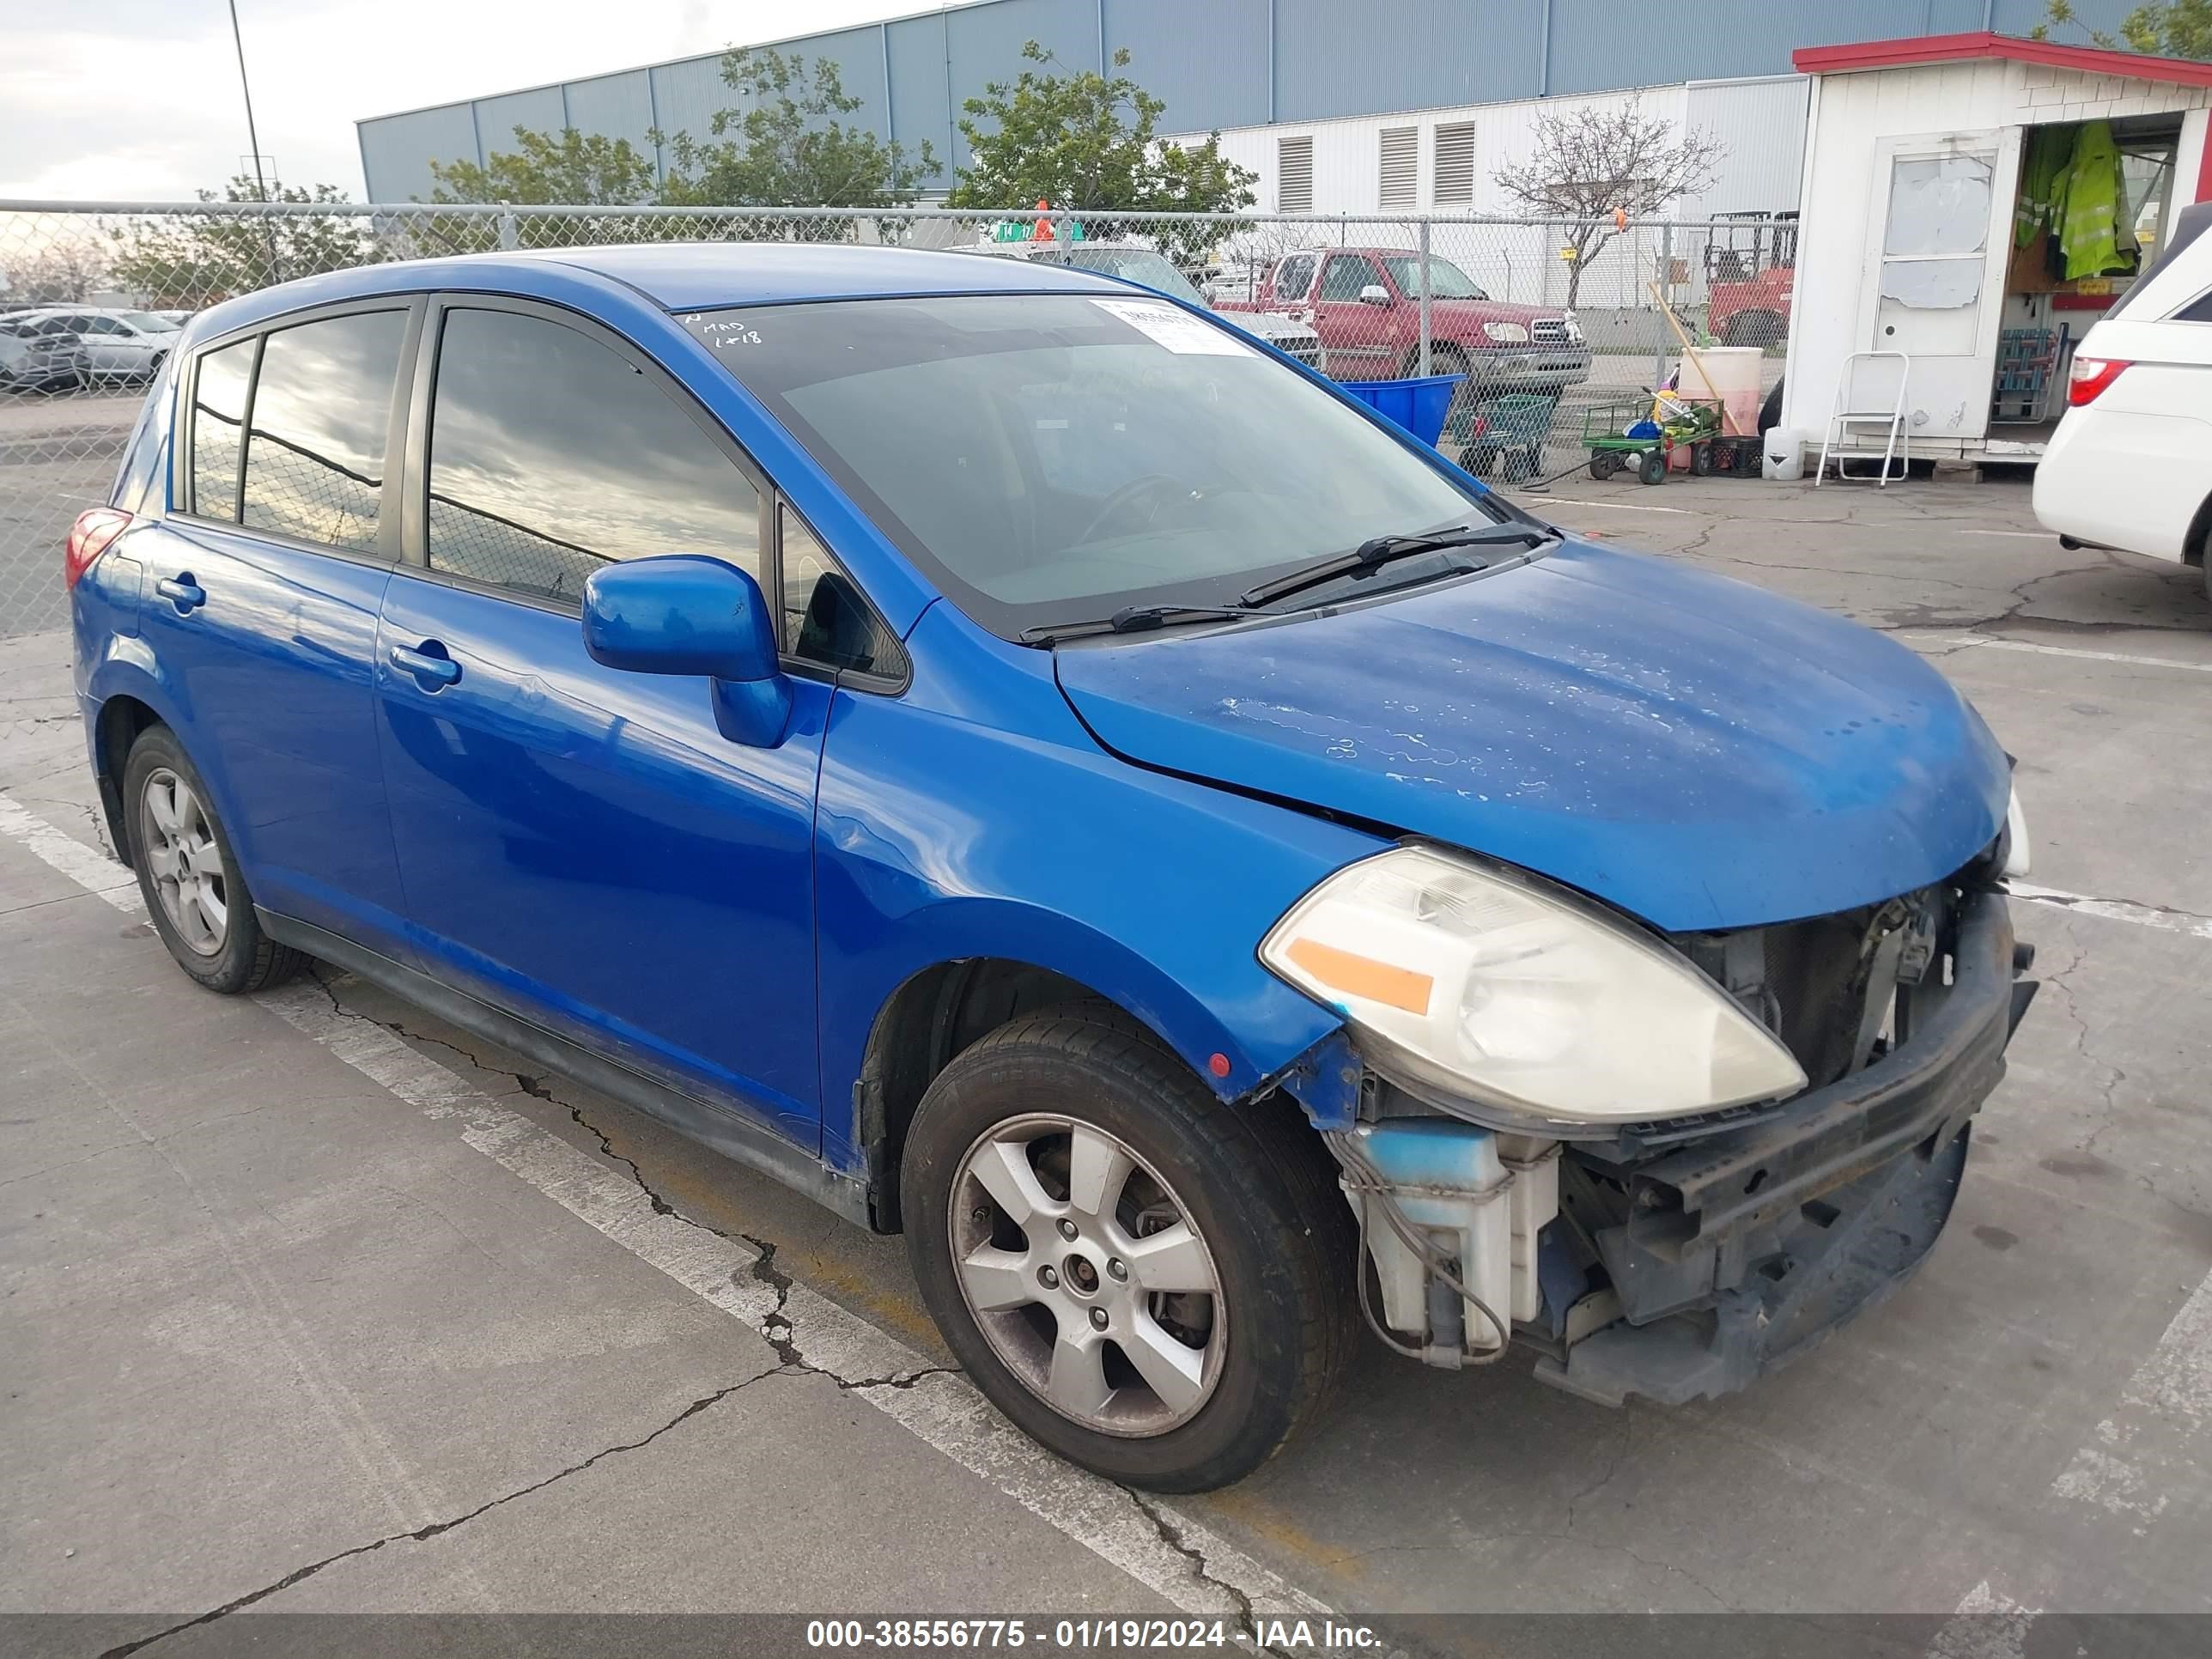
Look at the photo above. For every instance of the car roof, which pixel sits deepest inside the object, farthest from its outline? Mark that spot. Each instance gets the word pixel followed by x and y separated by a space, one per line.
pixel 690 276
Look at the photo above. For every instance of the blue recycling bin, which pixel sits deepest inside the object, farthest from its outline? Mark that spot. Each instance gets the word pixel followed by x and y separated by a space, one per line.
pixel 1418 404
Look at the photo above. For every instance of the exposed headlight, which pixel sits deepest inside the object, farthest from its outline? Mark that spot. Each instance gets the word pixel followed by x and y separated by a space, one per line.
pixel 1489 985
pixel 2017 849
pixel 1506 333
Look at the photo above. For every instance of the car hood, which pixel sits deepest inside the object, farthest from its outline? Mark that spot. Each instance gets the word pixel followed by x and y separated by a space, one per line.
pixel 1692 750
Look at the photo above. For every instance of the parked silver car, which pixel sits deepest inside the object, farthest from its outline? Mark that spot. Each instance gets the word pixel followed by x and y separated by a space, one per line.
pixel 44 361
pixel 119 345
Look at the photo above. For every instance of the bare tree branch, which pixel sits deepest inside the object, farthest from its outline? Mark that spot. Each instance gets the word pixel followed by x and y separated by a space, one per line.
pixel 1598 164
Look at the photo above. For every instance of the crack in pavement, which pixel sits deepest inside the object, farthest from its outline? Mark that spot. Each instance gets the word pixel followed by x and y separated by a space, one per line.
pixel 436 1529
pixel 1172 1536
pixel 775 1325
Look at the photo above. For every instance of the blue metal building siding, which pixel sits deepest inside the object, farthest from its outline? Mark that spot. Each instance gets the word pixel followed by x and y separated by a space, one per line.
pixel 619 106
pixel 1333 59
pixel 539 110
pixel 922 110
pixel 396 152
pixel 986 44
pixel 1210 59
pixel 1215 63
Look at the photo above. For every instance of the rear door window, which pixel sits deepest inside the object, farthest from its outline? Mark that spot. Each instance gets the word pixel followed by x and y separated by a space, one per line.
pixel 314 460
pixel 551 454
pixel 218 427
pixel 1294 277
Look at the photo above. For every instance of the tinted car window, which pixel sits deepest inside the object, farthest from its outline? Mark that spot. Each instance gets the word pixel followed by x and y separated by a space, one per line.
pixel 1344 278
pixel 218 416
pixel 314 460
pixel 824 619
pixel 552 454
pixel 1294 277
pixel 2198 310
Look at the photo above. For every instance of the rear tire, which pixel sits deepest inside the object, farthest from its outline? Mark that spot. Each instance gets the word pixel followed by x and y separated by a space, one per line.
pixel 1652 469
pixel 1019 1297
pixel 195 896
pixel 1604 463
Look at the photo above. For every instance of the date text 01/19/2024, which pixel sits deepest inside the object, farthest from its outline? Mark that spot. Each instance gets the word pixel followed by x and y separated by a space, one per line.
pixel 1086 1634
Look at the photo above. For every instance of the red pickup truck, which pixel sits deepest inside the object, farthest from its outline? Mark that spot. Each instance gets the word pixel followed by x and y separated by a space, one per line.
pixel 1365 302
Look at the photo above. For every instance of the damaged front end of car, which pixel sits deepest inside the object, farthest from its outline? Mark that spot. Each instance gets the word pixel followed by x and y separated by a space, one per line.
pixel 1514 1104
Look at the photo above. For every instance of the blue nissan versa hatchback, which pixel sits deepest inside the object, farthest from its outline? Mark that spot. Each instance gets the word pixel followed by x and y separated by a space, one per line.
pixel 1035 769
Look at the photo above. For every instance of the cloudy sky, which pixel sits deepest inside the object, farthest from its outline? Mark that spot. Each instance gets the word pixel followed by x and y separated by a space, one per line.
pixel 139 99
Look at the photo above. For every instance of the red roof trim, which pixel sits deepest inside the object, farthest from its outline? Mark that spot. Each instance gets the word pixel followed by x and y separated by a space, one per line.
pixel 1953 48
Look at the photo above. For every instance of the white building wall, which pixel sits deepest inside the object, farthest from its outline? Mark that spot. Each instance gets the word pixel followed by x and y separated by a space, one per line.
pixel 1852 114
pixel 1759 122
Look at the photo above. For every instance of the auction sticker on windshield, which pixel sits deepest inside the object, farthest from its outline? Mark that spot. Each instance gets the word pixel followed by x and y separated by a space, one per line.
pixel 1178 330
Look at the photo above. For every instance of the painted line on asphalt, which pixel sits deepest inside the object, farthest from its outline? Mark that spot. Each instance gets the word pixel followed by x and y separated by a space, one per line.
pixel 1987 1625
pixel 1618 507
pixel 2168 1400
pixel 1986 643
pixel 2140 916
pixel 942 1410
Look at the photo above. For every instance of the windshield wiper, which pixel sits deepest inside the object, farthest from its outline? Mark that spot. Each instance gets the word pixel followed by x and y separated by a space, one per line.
pixel 1137 618
pixel 1379 551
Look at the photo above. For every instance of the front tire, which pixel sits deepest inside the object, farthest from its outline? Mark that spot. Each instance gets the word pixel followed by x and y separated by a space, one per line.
pixel 188 875
pixel 1152 1283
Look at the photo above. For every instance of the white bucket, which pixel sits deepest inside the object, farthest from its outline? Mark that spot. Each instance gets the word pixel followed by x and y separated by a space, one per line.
pixel 1783 457
pixel 1732 375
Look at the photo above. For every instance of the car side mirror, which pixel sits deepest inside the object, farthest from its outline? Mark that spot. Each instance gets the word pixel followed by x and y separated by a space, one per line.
pixel 1375 295
pixel 684 613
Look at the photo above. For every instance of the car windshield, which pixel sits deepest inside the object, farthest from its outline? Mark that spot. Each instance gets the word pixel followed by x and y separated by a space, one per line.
pixel 1052 458
pixel 1446 280
pixel 1136 265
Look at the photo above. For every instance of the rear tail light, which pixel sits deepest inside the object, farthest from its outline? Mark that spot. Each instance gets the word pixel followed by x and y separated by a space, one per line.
pixel 2090 377
pixel 88 537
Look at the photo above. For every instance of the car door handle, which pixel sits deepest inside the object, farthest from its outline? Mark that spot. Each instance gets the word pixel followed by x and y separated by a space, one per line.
pixel 182 591
pixel 431 671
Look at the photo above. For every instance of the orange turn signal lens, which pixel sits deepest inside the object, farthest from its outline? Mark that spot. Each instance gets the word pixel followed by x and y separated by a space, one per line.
pixel 1363 976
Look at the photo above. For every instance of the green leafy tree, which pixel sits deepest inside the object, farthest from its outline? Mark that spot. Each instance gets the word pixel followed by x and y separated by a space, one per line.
pixel 1087 142
pixel 791 146
pixel 572 170
pixel 2160 29
pixel 187 262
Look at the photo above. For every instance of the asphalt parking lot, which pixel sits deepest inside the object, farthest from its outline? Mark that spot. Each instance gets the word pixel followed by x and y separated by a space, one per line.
pixel 315 1304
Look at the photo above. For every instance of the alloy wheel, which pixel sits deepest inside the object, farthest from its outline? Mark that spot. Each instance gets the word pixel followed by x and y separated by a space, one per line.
pixel 1084 1272
pixel 185 863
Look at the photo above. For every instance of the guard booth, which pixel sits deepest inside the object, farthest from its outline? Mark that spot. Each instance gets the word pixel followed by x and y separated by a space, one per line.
pixel 1931 285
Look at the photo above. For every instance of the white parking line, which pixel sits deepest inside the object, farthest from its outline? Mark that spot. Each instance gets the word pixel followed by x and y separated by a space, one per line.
pixel 941 1409
pixel 1618 507
pixel 2142 916
pixel 2168 1400
pixel 1984 641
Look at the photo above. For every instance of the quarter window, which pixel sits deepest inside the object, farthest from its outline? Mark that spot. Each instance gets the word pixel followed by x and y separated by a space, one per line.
pixel 552 454
pixel 825 620
pixel 314 458
pixel 218 421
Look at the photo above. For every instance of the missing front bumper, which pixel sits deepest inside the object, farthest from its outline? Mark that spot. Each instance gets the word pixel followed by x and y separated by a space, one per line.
pixel 1741 1251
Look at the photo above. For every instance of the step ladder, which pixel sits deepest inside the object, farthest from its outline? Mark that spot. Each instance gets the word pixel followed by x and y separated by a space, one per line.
pixel 1898 442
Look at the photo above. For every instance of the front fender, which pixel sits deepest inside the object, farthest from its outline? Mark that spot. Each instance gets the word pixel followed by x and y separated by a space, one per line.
pixel 940 836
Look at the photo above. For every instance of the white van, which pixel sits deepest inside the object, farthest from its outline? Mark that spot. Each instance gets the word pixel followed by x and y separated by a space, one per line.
pixel 2130 465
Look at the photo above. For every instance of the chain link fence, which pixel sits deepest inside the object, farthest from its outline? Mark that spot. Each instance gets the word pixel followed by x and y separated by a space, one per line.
pixel 1559 332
